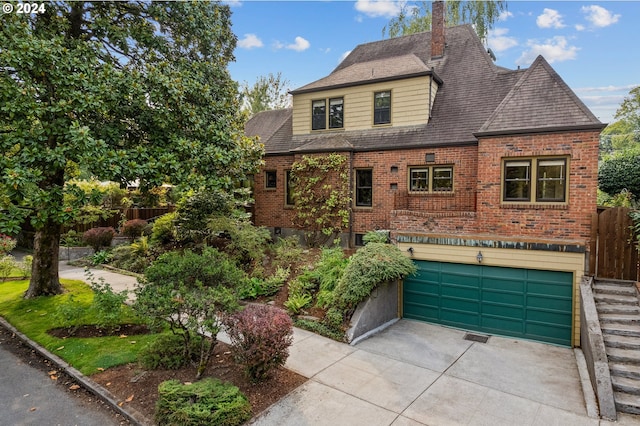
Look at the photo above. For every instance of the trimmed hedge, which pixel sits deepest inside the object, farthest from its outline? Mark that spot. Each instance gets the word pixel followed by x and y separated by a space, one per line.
pixel 206 402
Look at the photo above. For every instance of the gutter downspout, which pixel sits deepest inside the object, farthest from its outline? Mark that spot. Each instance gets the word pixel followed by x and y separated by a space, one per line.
pixel 430 86
pixel 350 242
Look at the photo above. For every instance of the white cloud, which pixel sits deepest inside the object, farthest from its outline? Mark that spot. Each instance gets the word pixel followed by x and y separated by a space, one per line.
pixel 609 88
pixel 299 45
pixel 556 49
pixel 550 19
pixel 504 15
pixel 580 27
pixel 499 41
pixel 599 16
pixel 233 3
pixel 250 41
pixel 377 8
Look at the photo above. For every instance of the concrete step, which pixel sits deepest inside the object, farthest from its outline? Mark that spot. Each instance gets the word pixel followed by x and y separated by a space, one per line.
pixel 621 329
pixel 626 403
pixel 616 298
pixel 625 290
pixel 626 385
pixel 628 356
pixel 622 342
pixel 619 318
pixel 617 308
pixel 624 370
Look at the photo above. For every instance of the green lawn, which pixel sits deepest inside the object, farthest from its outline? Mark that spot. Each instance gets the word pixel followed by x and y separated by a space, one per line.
pixel 89 355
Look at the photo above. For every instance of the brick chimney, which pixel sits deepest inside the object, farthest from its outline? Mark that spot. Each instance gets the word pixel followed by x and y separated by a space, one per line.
pixel 437 29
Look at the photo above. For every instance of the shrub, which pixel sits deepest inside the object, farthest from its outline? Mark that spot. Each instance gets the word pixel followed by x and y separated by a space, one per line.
pixel 133 228
pixel 287 250
pixel 370 266
pixel 168 352
pixel 6 244
pixel 376 237
pixel 247 243
pixel 7 265
pixel 328 271
pixel 297 302
pixel 256 287
pixel 99 237
pixel 25 266
pixel 164 228
pixel 71 238
pixel 196 211
pixel 106 303
pixel 188 292
pixel 206 402
pixel 260 338
pixel 100 257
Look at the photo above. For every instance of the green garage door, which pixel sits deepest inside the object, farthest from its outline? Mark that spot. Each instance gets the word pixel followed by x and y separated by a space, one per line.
pixel 523 303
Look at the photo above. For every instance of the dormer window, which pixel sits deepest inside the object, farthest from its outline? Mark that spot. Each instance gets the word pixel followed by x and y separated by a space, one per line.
pixel 382 107
pixel 320 120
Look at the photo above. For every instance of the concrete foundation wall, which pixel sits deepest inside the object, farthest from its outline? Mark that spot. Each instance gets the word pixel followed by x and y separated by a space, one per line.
pixel 378 311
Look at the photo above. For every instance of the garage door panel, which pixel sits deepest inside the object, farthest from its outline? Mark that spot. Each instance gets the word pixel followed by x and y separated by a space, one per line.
pixel 515 302
pixel 548 316
pixel 499 325
pixel 503 284
pixel 422 312
pixel 459 318
pixel 457 303
pixel 542 302
pixel 460 292
pixel 503 297
pixel 503 311
pixel 548 333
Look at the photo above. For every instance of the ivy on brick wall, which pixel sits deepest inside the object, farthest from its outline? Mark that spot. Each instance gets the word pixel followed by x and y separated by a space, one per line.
pixel 320 186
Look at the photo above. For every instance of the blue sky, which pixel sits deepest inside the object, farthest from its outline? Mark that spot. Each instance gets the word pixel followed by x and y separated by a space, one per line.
pixel 592 45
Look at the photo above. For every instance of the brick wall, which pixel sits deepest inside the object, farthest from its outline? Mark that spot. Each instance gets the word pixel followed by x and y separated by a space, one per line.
pixel 475 205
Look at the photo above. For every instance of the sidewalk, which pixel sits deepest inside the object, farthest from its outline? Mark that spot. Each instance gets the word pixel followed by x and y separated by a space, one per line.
pixel 415 373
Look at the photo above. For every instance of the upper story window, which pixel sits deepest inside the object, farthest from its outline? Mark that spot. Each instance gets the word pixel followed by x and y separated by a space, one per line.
pixel 382 107
pixel 320 120
pixel 364 188
pixel 535 180
pixel 431 179
pixel 270 179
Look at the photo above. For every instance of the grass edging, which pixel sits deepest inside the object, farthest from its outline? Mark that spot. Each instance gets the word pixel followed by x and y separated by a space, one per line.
pixel 131 414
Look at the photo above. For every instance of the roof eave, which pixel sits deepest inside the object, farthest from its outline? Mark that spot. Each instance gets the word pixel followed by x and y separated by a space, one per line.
pixel 554 129
pixel 371 81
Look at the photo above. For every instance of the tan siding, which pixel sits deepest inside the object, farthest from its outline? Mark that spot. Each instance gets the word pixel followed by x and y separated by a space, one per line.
pixel 528 259
pixel 409 97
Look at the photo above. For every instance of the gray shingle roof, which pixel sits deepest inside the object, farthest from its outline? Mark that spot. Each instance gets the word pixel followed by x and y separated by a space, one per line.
pixel 475 96
pixel 539 100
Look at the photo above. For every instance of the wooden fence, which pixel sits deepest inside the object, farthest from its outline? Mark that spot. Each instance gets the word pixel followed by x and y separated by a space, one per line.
pixel 614 251
pixel 126 214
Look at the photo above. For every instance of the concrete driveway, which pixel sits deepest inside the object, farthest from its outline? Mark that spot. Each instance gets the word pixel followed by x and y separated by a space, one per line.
pixel 415 373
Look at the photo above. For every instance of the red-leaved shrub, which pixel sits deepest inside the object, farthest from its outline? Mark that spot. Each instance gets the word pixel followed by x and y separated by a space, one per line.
pixel 99 237
pixel 133 228
pixel 260 339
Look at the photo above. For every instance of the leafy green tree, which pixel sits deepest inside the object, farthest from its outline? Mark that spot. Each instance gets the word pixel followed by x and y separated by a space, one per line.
pixel 415 19
pixel 267 93
pixel 620 172
pixel 122 90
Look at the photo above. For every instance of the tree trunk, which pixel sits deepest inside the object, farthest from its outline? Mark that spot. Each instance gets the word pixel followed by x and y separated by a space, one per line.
pixel 44 270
